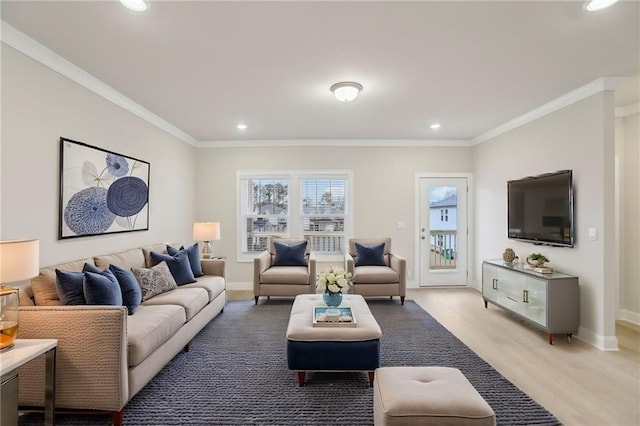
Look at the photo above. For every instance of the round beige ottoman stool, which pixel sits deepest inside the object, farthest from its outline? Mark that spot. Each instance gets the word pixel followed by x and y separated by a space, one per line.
pixel 427 396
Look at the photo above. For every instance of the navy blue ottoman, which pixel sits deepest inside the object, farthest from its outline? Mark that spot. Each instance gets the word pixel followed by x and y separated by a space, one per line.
pixel 312 348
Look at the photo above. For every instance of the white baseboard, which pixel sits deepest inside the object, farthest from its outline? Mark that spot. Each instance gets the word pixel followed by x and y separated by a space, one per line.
pixel 630 316
pixel 604 343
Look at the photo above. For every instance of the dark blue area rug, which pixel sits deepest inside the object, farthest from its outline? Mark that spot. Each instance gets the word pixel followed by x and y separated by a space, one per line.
pixel 236 374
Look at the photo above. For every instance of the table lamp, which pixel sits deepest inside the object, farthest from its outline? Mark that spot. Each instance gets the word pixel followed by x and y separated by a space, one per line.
pixel 206 232
pixel 19 261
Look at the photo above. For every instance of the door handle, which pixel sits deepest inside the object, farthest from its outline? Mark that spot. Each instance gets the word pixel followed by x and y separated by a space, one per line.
pixel 495 284
pixel 525 296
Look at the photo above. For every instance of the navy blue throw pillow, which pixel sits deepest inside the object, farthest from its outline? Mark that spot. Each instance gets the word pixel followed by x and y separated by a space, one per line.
pixel 69 287
pixel 370 255
pixel 129 286
pixel 290 255
pixel 102 288
pixel 194 258
pixel 178 265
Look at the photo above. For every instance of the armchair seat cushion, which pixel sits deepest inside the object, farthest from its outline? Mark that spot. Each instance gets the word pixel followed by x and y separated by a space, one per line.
pixel 375 275
pixel 285 275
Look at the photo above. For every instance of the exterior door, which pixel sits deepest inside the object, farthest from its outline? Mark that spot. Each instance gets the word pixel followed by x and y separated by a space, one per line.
pixel 443 231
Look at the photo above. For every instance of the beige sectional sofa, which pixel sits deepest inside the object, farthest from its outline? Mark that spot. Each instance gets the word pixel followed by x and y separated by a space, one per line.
pixel 104 355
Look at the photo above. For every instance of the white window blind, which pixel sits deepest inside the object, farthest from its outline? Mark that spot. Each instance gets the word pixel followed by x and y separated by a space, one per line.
pixel 323 213
pixel 265 211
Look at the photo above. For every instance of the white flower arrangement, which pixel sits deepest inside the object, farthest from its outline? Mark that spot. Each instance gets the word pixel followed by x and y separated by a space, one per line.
pixel 334 280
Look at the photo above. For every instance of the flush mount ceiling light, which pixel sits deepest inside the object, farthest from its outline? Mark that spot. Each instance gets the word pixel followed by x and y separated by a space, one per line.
pixel 241 126
pixel 434 126
pixel 346 91
pixel 137 5
pixel 593 5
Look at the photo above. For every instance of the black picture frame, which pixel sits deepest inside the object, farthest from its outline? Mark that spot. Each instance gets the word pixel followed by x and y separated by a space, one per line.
pixel 101 191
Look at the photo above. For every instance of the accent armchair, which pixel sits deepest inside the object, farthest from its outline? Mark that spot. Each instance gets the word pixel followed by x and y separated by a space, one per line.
pixel 284 269
pixel 376 270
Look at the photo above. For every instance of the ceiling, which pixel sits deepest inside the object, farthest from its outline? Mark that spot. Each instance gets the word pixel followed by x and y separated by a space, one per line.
pixel 472 66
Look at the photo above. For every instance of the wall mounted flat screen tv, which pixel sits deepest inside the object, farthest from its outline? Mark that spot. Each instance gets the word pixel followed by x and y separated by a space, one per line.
pixel 540 209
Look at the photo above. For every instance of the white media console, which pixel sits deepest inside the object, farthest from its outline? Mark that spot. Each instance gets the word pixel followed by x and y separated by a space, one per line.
pixel 550 302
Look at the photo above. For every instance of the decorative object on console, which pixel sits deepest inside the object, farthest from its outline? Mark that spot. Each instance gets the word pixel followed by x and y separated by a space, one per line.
pixel 332 282
pixel 19 261
pixel 509 255
pixel 537 259
pixel 101 192
pixel 206 232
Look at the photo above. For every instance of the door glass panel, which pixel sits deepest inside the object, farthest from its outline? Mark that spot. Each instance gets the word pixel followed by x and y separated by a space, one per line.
pixel 443 224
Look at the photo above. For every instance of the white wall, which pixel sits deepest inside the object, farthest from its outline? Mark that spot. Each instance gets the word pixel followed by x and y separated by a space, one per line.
pixel 578 137
pixel 384 189
pixel 628 156
pixel 38 106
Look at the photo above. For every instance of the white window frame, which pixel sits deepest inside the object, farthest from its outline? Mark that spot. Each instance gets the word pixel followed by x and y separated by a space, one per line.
pixel 295 206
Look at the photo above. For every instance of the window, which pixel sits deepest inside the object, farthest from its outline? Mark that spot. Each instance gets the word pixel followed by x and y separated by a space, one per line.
pixel 323 213
pixel 314 205
pixel 265 211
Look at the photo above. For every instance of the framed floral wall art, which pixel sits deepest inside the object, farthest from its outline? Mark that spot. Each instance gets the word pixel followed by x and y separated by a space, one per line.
pixel 101 192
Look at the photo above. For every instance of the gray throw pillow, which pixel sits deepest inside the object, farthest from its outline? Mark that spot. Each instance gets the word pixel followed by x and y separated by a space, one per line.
pixel 155 280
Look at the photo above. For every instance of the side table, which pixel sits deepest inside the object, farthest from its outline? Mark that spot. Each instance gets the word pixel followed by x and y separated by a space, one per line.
pixel 23 351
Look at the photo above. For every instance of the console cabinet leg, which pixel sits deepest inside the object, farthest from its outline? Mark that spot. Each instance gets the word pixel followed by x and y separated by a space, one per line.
pixel 485 303
pixel 301 378
pixel 550 338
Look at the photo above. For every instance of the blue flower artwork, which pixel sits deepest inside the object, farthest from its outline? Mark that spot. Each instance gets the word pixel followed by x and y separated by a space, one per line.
pixel 102 192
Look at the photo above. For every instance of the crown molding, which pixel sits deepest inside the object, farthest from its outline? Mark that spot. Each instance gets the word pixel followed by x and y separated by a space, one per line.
pixel 336 142
pixel 38 52
pixel 628 110
pixel 596 86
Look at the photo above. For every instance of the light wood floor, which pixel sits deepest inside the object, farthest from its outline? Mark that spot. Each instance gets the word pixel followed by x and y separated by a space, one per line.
pixel 578 383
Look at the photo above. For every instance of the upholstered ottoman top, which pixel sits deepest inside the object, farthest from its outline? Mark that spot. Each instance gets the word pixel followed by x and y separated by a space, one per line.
pixel 427 396
pixel 301 321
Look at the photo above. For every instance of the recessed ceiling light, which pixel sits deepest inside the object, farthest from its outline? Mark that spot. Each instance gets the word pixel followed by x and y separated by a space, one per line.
pixel 241 126
pixel 346 91
pixel 137 5
pixel 594 5
pixel 435 126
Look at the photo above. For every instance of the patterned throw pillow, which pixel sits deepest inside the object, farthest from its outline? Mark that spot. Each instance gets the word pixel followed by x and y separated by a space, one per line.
pixel 155 280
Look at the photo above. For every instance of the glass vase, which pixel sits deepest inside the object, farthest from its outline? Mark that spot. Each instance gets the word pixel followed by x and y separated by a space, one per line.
pixel 8 316
pixel 332 299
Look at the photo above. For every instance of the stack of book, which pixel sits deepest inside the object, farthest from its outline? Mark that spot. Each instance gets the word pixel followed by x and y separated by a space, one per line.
pixel 540 269
pixel 326 316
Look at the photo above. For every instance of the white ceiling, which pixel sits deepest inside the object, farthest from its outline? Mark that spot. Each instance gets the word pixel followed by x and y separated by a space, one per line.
pixel 472 66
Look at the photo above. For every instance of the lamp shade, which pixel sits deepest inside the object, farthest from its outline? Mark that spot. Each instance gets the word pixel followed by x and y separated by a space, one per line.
pixel 206 231
pixel 19 260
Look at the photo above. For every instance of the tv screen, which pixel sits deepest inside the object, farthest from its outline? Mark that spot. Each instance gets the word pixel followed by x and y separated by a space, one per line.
pixel 540 209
